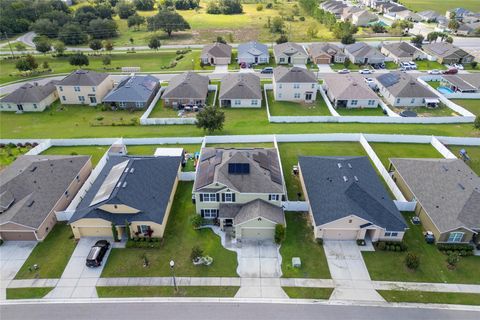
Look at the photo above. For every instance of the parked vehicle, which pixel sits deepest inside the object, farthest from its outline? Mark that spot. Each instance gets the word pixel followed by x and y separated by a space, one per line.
pixel 412 65
pixel 97 252
pixel 244 65
pixel 451 71
pixel 458 66
pixel 435 71
pixel 366 71
pixel 267 70
pixel 429 237
pixel 343 71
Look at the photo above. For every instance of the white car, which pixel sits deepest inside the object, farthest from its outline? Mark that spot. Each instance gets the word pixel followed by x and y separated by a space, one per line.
pixel 366 71
pixel 412 64
pixel 458 66
pixel 435 71
pixel 343 71
pixel 369 80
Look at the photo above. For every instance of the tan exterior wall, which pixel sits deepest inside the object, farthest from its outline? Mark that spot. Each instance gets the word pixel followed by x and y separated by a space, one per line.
pixel 30 107
pixel 91 227
pixel 299 58
pixel 68 95
pixel 402 185
pixel 176 102
pixel 14 227
pixel 158 229
pixel 286 91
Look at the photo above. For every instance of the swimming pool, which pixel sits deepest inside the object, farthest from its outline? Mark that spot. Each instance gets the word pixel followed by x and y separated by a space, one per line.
pixel 444 90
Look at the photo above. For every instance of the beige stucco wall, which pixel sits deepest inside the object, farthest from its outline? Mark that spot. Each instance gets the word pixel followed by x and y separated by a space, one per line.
pixel 298 58
pixel 71 96
pixel 30 107
pixel 91 227
pixel 244 103
pixel 286 91
pixel 175 102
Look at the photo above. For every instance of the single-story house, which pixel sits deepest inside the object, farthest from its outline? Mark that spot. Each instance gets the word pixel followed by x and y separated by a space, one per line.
pixel 465 83
pixel 133 92
pixel 325 53
pixel 137 190
pixel 363 18
pixel 347 200
pixel 33 188
pixel 402 52
pixel 253 52
pixel 402 90
pixel 334 7
pixel 447 193
pixel 408 15
pixel 362 53
pixel 242 189
pixel 188 88
pixel 349 91
pixel 30 98
pixel 460 13
pixel 84 87
pixel 429 15
pixel 347 13
pixel 468 29
pixel 290 53
pixel 216 54
pixel 240 90
pixel 294 84
pixel 447 53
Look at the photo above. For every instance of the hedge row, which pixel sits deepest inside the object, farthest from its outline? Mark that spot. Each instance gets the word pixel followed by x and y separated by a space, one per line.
pixel 398 246
pixel 462 249
pixel 142 242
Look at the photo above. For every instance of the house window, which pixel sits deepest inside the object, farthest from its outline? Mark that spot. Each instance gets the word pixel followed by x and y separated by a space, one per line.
pixel 60 88
pixel 93 99
pixel 296 86
pixel 455 237
pixel 139 104
pixel 296 95
pixel 35 106
pixel 354 102
pixel 281 60
pixel 391 234
pixel 280 96
pixel 63 98
pixel 412 101
pixel 122 104
pixel 371 102
pixel 81 99
pixel 279 86
pixel 93 89
pixel 254 102
pixel 228 197
pixel 143 229
pixel 209 213
pixel 398 100
pixel 273 197
pixel 237 102
pixel 208 197
pixel 77 89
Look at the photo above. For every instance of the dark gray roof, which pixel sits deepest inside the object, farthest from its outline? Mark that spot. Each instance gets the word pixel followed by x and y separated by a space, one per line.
pixel 361 49
pixel 470 81
pixel 447 189
pixel 217 49
pixel 362 194
pixel 36 183
pixel 145 184
pixel 83 78
pixel 444 49
pixel 264 175
pixel 31 93
pixel 252 48
pixel 402 85
pixel 401 49
pixel 187 85
pixel 293 75
pixel 348 86
pixel 240 86
pixel 133 89
pixel 252 210
pixel 289 49
pixel 316 49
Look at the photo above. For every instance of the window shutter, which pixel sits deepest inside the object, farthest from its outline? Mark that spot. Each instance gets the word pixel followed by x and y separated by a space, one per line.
pixel 223 197
pixel 269 197
pixel 201 197
pixel 139 229
pixel 233 197
pixel 218 197
pixel 202 213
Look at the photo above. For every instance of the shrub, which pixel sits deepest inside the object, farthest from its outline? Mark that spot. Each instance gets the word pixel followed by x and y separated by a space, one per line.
pixel 269 5
pixel 320 241
pixel 279 233
pixel 100 118
pixel 391 246
pixel 259 7
pixel 196 253
pixel 412 261
pixel 143 243
pixel 453 259
pixel 73 153
pixel 381 245
pixel 360 242
pixel 301 18
pixel 197 221
pixel 462 249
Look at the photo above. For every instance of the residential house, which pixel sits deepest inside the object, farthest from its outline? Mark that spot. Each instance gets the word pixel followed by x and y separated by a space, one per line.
pixel 402 52
pixel 464 83
pixel 349 91
pixel 30 98
pixel 408 15
pixel 325 53
pixel 133 92
pixel 391 8
pixel 459 13
pixel 363 18
pixel 188 88
pixel 447 193
pixel 84 87
pixel 290 53
pixel 334 7
pixel 240 90
pixel 216 54
pixel 429 15
pixel 402 90
pixel 348 11
pixel 253 52
pixel 468 29
pixel 242 188
pixel 137 190
pixel 33 189
pixel 347 200
pixel 362 53
pixel 294 84
pixel 447 53
pixel 374 4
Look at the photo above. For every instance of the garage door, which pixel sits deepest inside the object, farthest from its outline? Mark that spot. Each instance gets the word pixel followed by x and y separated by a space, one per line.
pixel 322 60
pixel 17 236
pixel 298 61
pixel 339 234
pixel 95 232
pixel 260 233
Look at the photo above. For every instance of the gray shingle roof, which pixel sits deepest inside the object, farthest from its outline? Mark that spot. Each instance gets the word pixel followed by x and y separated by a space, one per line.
pixel 289 49
pixel 133 89
pixel 29 93
pixel 252 48
pixel 36 183
pixel 361 49
pixel 464 81
pixel 348 86
pixel 363 194
pixel 444 49
pixel 316 49
pixel 447 189
pixel 187 85
pixel 83 78
pixel 146 189
pixel 240 86
pixel 401 49
pixel 217 50
pixel 402 85
pixel 252 210
pixel 293 75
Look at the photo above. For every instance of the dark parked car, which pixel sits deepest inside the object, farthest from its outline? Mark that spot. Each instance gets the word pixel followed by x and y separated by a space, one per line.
pixel 429 237
pixel 450 71
pixel 97 252
pixel 267 70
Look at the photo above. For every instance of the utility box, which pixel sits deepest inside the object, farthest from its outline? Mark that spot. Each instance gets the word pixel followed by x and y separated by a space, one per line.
pixel 296 263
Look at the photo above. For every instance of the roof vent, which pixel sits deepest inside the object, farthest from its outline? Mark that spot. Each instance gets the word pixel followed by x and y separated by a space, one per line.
pixel 124 184
pixel 356 178
pixel 132 170
pixel 445 168
pixel 33 169
pixel 30 203
pixel 461 186
pixel 349 165
pixel 345 178
pixel 339 165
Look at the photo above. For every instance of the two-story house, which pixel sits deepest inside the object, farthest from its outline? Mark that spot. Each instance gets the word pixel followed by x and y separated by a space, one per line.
pixel 294 84
pixel 84 87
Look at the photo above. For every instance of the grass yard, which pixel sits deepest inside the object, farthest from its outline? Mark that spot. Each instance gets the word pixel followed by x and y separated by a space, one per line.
pixel 96 152
pixel 431 297
pixel 179 238
pixel 299 242
pixel 157 291
pixel 361 112
pixel 390 65
pixel 289 152
pixel 8 155
pixel 308 293
pixel 390 266
pixel 51 255
pixel 473 153
pixel 149 150
pixel 434 84
pixel 429 65
pixel 403 150
pixel 351 66
pixel 288 108
pixel 241 145
pixel 440 111
pixel 472 105
pixel 160 111
pixel 28 293
pixel 440 6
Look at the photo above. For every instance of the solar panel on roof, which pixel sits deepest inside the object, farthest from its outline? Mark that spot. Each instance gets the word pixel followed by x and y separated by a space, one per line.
pixel 109 183
pixel 238 168
pixel 389 79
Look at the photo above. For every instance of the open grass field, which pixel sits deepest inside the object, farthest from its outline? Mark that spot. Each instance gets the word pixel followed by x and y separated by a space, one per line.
pixel 473 153
pixel 403 150
pixel 300 242
pixel 431 297
pixel 241 145
pixel 308 293
pixel 472 105
pixel 27 293
pixel 390 266
pixel 178 240
pixel 51 255
pixel 288 108
pixel 157 291
pixel 96 152
pixel 440 5
pixel 8 155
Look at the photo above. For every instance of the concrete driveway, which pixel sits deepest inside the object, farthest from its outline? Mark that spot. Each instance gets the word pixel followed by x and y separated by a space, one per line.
pixel 12 257
pixel 259 259
pixel 325 68
pixel 221 69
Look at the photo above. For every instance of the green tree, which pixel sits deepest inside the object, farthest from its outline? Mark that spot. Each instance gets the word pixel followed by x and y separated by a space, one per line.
pixel 476 124
pixel 279 233
pixel 45 65
pixel 135 21
pixel 449 40
pixel 43 45
pixel 474 64
pixel 144 5
pixel 312 30
pixel 125 9
pixel 453 25
pixel 168 21
pixel 277 25
pixel 417 41
pixel 27 63
pixel 102 28
pixel 45 27
pixel 108 45
pixel 95 45
pixel 59 48
pixel 282 39
pixel 412 261
pixel 210 119
pixel 78 59
pixel 106 60
pixel 19 46
pixel 72 34
pixel 346 63
pixel 154 43
pixel 432 36
pixel 115 233
pixel 221 40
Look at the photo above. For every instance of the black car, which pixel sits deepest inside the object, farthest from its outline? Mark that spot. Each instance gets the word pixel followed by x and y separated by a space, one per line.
pixel 267 70
pixel 97 252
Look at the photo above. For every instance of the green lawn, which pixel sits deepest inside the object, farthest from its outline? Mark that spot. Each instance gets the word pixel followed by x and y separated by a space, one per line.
pixel 51 255
pixel 431 297
pixel 429 65
pixel 157 291
pixel 308 293
pixel 289 152
pixel 474 154
pixel 434 84
pixel 390 266
pixel 96 152
pixel 390 65
pixel 8 155
pixel 179 238
pixel 288 108
pixel 472 105
pixel 361 111
pixel 301 243
pixel 440 6
pixel 351 66
pixel 160 111
pixel 403 150
pixel 241 145
pixel 149 150
pixel 27 293
pixel 440 111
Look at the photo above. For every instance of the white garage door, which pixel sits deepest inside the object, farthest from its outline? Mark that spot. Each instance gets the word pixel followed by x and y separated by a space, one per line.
pixel 298 61
pixel 95 232
pixel 339 234
pixel 258 233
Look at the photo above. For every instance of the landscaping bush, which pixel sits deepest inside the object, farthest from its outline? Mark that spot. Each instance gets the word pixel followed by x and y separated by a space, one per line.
pixel 197 221
pixel 319 241
pixel 453 259
pixel 412 261
pixel 196 253
pixel 381 245
pixel 391 246
pixel 462 249
pixel 141 242
pixel 360 242
pixel 279 233
pixel 269 5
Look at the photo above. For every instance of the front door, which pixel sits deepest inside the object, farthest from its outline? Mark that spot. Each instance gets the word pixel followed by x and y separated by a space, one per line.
pixel 256 59
pixel 289 60
pixel 212 61
pixel 20 107
pixel 93 100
